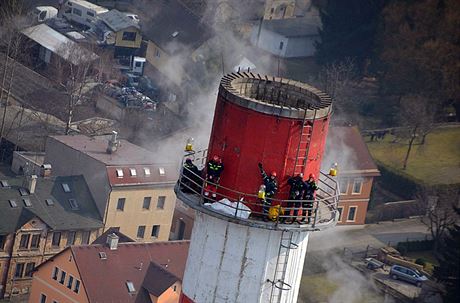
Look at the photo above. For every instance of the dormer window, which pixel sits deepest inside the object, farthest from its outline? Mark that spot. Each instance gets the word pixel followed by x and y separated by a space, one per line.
pixel 162 171
pixel 23 191
pixel 147 171
pixel 133 172
pixel 66 187
pixel 27 202
pixel 130 286
pixel 73 204
pixel 119 173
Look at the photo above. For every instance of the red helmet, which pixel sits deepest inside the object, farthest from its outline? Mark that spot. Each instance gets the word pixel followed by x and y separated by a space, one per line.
pixel 215 158
pixel 273 174
pixel 311 176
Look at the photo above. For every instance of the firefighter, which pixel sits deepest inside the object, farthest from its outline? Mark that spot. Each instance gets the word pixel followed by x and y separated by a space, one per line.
pixel 271 188
pixel 296 192
pixel 308 198
pixel 191 177
pixel 214 169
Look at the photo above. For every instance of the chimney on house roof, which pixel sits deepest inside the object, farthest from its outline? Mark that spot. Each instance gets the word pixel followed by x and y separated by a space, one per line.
pixel 31 183
pixel 46 170
pixel 113 143
pixel 112 241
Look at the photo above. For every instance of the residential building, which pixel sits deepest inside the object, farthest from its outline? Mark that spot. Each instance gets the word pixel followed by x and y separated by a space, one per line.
pixel 356 172
pixel 132 192
pixel 284 9
pixel 50 46
pixel 287 38
pixel 127 34
pixel 167 39
pixel 113 272
pixel 38 218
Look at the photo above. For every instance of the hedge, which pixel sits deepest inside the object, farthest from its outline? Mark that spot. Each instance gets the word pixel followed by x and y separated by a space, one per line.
pixel 409 246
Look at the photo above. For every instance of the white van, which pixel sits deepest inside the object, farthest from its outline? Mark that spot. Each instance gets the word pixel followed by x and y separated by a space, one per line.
pixel 82 12
pixel 43 13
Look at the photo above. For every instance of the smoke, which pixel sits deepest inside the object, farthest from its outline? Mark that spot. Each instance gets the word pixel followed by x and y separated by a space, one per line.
pixel 197 71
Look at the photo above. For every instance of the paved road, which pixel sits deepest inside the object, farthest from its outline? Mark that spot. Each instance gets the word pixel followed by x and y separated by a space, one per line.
pixel 375 235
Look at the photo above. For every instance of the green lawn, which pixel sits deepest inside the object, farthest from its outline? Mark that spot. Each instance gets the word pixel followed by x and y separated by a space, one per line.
pixel 435 162
pixel 319 288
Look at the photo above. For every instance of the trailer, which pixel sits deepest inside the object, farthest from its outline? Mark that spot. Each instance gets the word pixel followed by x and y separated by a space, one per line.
pixel 82 12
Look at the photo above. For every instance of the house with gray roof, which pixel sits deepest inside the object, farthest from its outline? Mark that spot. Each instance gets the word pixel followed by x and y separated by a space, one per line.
pixel 287 38
pixel 38 218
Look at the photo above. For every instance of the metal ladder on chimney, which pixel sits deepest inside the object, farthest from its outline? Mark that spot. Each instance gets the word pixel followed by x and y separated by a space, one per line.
pixel 304 145
pixel 278 283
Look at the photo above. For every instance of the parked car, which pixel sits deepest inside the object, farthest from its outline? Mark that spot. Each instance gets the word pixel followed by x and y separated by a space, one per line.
pixel 407 274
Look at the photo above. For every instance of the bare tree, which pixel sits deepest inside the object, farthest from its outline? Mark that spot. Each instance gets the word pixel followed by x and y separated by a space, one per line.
pixel 72 71
pixel 440 214
pixel 417 115
pixel 11 45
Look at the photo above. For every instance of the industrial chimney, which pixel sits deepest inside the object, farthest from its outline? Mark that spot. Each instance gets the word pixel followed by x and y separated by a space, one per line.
pixel 113 143
pixel 237 252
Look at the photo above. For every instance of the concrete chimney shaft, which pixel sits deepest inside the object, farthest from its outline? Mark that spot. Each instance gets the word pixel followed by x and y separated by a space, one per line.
pixel 31 183
pixel 112 241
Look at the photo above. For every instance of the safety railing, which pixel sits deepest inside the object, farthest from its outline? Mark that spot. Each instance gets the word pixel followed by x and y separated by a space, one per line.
pixel 316 214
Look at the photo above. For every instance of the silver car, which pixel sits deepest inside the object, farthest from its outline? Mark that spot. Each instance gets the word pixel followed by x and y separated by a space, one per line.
pixel 407 274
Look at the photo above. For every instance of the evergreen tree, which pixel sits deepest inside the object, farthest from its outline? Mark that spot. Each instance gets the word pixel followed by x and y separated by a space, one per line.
pixel 348 31
pixel 448 271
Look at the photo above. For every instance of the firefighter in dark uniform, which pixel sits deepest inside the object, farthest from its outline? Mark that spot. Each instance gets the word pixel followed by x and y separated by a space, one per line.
pixel 309 197
pixel 271 188
pixel 214 169
pixel 191 180
pixel 296 192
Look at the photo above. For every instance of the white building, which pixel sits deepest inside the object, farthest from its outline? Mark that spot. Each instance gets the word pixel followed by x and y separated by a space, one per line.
pixel 287 38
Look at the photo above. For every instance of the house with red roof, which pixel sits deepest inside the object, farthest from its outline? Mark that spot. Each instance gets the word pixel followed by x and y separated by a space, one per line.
pixel 133 192
pixel 356 172
pixel 113 272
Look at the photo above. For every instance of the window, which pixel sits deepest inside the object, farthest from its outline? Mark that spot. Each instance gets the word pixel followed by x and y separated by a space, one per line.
pixel 42 298
pixel 13 203
pixel 24 243
pixel 62 279
pixel 155 231
pixel 71 238
pixel 23 191
pixel 35 243
pixel 339 211
pixel 133 172
pixel 161 202
pixel 2 241
pixel 55 273
pixel 85 237
pixel 129 36
pixel 56 239
pixel 174 287
pixel 140 231
pixel 27 202
pixel 138 64
pixel 146 171
pixel 121 204
pixel 19 270
pixel 119 173
pixel 281 45
pixel 161 171
pixel 157 53
pixel 146 204
pixel 357 186
pixel 49 202
pixel 76 288
pixel 351 213
pixel 73 204
pixel 30 269
pixel 77 12
pixel 4 183
pixel 70 282
pixel 66 187
pixel 130 287
pixel 343 184
pixel 90 14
